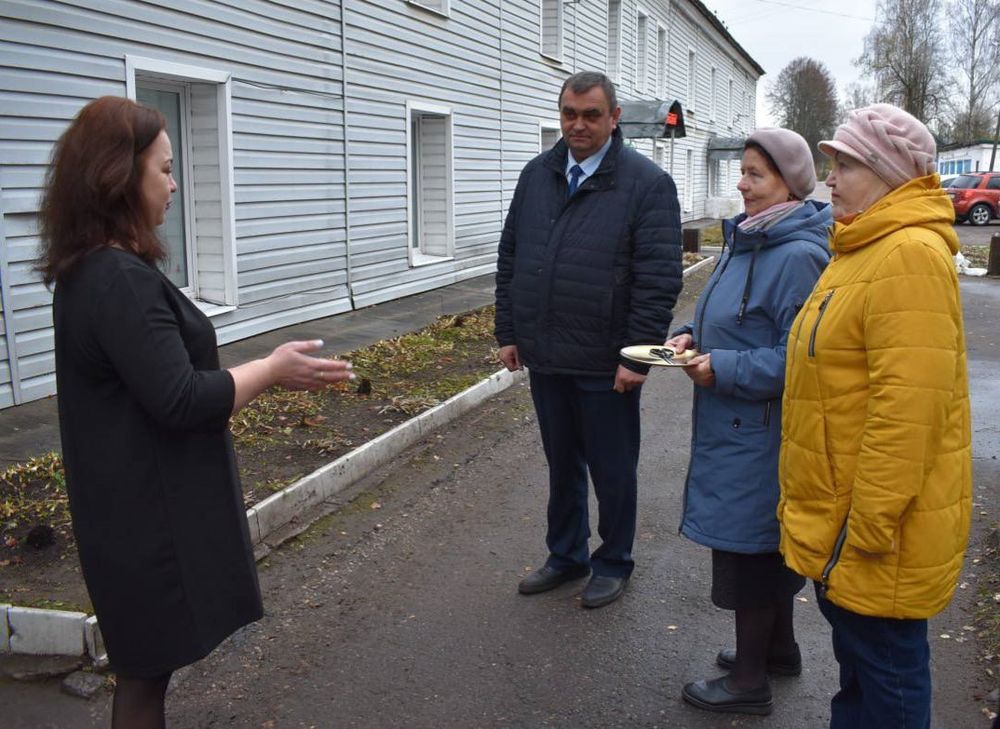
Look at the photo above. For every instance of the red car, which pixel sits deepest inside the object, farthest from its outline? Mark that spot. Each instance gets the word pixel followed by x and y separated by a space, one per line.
pixel 976 197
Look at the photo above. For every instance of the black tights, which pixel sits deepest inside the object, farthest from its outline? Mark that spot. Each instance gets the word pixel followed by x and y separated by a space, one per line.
pixel 761 632
pixel 138 703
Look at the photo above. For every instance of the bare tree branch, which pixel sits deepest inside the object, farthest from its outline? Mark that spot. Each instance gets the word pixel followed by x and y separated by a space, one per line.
pixel 804 99
pixel 975 45
pixel 905 55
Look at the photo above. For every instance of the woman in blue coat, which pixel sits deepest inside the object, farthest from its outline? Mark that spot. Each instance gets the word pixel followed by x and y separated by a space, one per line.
pixel 773 253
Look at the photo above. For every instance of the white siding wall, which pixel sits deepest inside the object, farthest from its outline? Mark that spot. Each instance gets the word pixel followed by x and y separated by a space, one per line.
pixel 294 231
pixel 287 139
pixel 6 375
pixel 399 53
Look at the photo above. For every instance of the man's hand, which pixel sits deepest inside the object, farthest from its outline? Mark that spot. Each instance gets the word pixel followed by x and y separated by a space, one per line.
pixel 626 379
pixel 509 358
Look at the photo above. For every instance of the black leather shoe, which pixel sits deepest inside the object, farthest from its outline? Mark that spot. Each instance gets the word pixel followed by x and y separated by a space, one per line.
pixel 602 590
pixel 548 578
pixel 790 665
pixel 715 695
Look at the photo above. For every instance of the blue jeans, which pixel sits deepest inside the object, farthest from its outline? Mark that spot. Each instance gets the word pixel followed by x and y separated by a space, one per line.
pixel 885 678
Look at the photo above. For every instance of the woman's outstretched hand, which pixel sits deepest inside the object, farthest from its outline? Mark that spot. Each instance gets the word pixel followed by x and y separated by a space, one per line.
pixel 293 368
pixel 290 366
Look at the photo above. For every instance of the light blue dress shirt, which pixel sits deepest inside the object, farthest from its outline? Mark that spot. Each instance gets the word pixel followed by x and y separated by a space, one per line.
pixel 589 165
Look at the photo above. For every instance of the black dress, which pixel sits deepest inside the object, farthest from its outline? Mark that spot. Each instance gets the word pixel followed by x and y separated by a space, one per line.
pixel 151 473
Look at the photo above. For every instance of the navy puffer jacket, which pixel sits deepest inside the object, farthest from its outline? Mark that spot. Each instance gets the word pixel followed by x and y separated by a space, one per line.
pixel 743 317
pixel 578 278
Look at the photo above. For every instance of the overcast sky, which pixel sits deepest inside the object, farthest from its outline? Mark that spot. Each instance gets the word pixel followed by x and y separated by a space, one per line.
pixel 774 32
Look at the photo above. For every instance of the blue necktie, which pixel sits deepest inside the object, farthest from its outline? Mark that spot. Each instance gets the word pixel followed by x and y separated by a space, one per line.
pixel 574 178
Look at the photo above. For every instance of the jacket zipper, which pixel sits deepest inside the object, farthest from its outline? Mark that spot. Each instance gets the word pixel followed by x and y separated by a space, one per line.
pixel 701 319
pixel 838 547
pixel 767 413
pixel 721 269
pixel 819 318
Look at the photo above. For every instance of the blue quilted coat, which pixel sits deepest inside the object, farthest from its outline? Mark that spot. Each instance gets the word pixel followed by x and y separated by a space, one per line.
pixel 742 318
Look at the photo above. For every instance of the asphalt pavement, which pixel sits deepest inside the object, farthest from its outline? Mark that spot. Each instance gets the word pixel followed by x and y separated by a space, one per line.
pixel 976 235
pixel 401 609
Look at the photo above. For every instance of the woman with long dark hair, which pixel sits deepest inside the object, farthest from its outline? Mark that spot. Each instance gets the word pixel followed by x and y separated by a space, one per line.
pixel 144 409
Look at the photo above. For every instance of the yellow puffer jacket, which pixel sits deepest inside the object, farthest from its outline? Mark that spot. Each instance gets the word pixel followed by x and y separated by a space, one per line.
pixel 875 468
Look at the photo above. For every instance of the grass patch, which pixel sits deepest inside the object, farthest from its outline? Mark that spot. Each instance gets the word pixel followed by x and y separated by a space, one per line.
pixel 31 493
pixel 46 604
pixel 712 236
pixel 978 255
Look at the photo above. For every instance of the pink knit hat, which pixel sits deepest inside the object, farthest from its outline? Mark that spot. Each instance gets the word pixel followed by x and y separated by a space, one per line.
pixel 895 145
pixel 790 153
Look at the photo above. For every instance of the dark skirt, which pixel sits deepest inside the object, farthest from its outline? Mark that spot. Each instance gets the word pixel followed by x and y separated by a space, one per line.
pixel 741 581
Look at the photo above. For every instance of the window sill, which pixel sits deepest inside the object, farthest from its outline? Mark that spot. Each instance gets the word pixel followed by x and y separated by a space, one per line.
pixel 436 11
pixel 422 259
pixel 209 309
pixel 553 59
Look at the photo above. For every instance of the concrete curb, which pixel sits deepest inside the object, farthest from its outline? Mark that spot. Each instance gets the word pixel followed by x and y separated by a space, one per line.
pixel 35 631
pixel 38 632
pixel 704 263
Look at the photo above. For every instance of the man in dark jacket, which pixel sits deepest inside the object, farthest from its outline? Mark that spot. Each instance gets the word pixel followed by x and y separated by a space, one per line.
pixel 589 262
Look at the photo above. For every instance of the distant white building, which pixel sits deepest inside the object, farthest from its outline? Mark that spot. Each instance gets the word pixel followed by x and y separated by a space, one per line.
pixel 953 160
pixel 333 154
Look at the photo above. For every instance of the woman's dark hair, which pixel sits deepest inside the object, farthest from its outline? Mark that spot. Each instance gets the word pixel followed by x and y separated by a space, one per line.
pixel 767 157
pixel 92 188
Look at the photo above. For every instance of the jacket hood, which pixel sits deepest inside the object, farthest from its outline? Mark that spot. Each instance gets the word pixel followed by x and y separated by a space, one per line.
pixel 810 223
pixel 920 202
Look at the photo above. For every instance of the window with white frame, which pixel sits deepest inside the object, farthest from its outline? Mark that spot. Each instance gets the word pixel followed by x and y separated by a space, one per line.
pixel 730 115
pixel 171 100
pixel 659 153
pixel 689 182
pixel 552 28
pixel 718 177
pixel 430 188
pixel 441 7
pixel 641 52
pixel 199 229
pixel 548 134
pixel 661 61
pixel 713 101
pixel 692 86
pixel 614 39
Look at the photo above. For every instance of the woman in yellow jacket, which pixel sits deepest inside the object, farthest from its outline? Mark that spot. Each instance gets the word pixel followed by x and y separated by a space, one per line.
pixel 875 467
